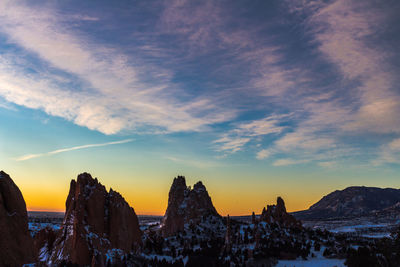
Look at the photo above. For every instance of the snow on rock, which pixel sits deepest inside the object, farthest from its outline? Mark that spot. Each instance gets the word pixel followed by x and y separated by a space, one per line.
pixel 311 263
pixel 186 206
pixel 95 222
pixel 277 214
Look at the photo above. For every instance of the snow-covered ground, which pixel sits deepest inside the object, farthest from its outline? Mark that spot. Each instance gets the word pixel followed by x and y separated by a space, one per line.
pixel 318 261
pixel 35 227
pixel 356 227
pixel 311 263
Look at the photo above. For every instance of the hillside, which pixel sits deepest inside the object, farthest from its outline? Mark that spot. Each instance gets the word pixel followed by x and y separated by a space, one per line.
pixel 351 202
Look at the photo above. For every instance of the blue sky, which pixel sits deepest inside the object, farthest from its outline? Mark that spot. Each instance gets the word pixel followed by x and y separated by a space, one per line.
pixel 263 94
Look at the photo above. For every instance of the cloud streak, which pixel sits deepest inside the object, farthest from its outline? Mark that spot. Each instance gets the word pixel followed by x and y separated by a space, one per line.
pixel 63 150
pixel 286 162
pixel 343 33
pixel 389 153
pixel 244 132
pixel 344 30
pixel 93 85
pixel 211 67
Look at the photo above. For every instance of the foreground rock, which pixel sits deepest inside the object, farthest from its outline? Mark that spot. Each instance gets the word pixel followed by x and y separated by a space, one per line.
pixel 186 206
pixel 96 221
pixel 16 244
pixel 277 214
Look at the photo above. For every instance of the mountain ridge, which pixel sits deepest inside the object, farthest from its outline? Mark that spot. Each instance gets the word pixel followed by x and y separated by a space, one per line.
pixel 350 202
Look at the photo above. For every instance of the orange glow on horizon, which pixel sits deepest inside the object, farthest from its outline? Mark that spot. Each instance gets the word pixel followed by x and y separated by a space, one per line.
pixel 150 196
pixel 223 207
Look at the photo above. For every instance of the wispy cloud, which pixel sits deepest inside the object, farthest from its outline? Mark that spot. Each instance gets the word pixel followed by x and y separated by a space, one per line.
pixel 243 133
pixel 304 140
pixel 225 73
pixel 285 162
pixel 6 105
pixel 389 153
pixel 111 91
pixel 263 154
pixel 231 144
pixel 344 31
pixel 58 151
pixel 207 26
pixel 327 164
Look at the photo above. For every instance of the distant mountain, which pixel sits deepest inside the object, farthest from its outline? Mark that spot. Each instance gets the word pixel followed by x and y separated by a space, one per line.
pixel 351 202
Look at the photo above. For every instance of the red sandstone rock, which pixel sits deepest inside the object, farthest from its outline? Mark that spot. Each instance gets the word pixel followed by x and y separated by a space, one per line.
pixel 16 244
pixel 95 221
pixel 186 205
pixel 277 214
pixel 43 242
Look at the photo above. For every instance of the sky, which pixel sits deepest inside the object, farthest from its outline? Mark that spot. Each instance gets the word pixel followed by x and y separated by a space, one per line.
pixel 257 99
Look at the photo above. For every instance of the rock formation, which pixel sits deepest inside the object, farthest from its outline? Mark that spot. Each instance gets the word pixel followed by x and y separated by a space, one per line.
pixel 43 242
pixel 253 218
pixel 16 244
pixel 228 235
pixel 186 205
pixel 277 214
pixel 95 222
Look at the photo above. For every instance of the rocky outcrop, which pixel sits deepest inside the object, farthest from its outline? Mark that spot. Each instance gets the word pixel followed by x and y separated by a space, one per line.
pixel 186 205
pixel 277 214
pixel 351 202
pixel 16 244
pixel 43 242
pixel 95 222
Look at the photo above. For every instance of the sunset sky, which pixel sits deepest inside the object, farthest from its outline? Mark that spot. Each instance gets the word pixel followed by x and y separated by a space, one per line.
pixel 256 99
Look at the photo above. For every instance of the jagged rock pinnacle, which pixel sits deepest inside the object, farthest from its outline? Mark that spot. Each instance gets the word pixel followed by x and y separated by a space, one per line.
pixel 186 204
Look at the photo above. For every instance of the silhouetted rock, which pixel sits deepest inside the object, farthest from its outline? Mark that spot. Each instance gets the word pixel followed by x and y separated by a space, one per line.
pixel 228 235
pixel 253 218
pixel 16 244
pixel 186 205
pixel 277 214
pixel 353 201
pixel 95 222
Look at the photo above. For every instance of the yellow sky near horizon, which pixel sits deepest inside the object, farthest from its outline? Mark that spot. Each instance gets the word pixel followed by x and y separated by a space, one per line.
pixel 154 201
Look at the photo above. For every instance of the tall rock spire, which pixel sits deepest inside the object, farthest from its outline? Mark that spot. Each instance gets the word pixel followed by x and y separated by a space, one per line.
pixel 253 218
pixel 186 205
pixel 277 214
pixel 95 221
pixel 228 235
